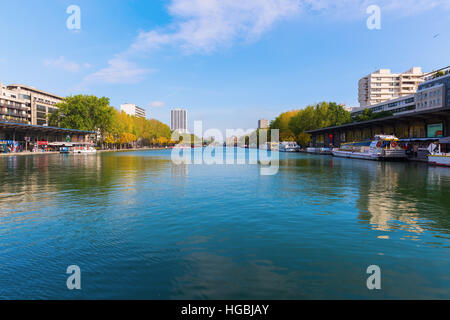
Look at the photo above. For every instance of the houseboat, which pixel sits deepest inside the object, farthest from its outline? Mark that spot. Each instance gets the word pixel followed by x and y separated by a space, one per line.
pixel 440 152
pixel 289 147
pixel 77 148
pixel 383 147
pixel 323 151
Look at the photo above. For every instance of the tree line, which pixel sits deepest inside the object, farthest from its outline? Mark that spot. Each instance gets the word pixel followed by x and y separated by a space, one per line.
pixel 293 124
pixel 116 129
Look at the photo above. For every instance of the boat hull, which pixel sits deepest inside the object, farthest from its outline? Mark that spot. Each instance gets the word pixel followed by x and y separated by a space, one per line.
pixel 386 155
pixel 439 160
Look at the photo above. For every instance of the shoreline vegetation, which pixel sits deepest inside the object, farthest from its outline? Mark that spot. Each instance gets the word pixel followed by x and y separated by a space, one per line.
pixel 25 153
pixel 116 129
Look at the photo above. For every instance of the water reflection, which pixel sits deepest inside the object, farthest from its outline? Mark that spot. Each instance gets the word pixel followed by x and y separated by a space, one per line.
pixel 143 227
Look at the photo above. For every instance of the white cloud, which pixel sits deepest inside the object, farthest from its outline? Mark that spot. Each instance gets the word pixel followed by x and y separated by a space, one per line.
pixel 62 64
pixel 357 8
pixel 157 104
pixel 204 26
pixel 119 70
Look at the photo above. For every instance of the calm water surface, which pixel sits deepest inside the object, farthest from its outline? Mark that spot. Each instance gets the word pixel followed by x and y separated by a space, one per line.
pixel 141 227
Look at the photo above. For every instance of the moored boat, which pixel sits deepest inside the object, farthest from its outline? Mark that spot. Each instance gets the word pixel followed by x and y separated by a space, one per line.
pixel 323 151
pixel 440 152
pixel 289 147
pixel 383 147
pixel 77 148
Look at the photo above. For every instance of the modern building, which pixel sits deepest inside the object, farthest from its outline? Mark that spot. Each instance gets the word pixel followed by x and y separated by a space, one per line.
pixel 178 120
pixel 418 117
pixel 382 85
pixel 133 110
pixel 263 124
pixel 27 105
pixel 398 105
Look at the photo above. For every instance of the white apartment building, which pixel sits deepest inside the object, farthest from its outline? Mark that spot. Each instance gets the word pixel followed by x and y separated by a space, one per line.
pixel 27 105
pixel 382 85
pixel 178 120
pixel 133 110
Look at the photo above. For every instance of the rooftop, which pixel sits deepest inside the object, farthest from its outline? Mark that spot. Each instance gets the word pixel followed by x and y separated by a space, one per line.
pixel 20 126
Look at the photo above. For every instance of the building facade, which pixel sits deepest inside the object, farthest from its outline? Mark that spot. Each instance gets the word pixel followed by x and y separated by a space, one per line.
pixel 27 105
pixel 263 124
pixel 178 120
pixel 133 110
pixel 382 85
pixel 422 116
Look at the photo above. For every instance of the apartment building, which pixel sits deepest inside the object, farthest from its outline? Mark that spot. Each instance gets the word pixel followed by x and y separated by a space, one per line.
pixel 382 85
pixel 133 110
pixel 433 93
pixel 28 105
pixel 14 108
pixel 263 124
pixel 178 120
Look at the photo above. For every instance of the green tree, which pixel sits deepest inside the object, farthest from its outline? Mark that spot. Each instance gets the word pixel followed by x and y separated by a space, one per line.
pixel 83 112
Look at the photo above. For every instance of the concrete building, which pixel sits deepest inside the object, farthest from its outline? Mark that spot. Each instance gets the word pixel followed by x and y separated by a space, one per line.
pixel 263 124
pixel 419 117
pixel 178 120
pixel 398 105
pixel 382 85
pixel 133 110
pixel 27 105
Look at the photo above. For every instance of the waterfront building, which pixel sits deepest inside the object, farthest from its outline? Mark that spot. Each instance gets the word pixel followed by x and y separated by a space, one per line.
pixel 382 85
pixel 178 120
pixel 422 116
pixel 27 105
pixel 26 137
pixel 12 108
pixel 263 124
pixel 133 110
pixel 398 105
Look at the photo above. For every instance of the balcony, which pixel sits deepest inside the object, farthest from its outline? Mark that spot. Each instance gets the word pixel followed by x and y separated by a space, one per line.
pixel 14 106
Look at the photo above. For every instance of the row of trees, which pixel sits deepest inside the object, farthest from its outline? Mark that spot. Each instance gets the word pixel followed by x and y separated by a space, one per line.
pixel 116 129
pixel 294 124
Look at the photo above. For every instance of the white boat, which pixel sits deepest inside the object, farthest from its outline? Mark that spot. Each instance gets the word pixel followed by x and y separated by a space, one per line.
pixel 324 151
pixel 437 155
pixel 84 150
pixel 289 147
pixel 383 147
pixel 77 148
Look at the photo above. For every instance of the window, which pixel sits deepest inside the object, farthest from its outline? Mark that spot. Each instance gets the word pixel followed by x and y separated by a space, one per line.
pixel 41 108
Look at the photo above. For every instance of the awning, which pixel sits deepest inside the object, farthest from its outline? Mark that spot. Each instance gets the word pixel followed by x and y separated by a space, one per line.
pixel 418 139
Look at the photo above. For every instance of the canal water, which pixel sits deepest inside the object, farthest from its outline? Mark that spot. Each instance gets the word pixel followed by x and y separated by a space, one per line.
pixel 141 227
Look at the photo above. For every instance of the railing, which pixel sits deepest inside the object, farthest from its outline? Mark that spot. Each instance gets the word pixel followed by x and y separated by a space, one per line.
pixel 12 106
pixel 9 113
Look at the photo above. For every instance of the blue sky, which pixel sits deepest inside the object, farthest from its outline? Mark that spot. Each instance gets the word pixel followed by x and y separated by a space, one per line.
pixel 228 62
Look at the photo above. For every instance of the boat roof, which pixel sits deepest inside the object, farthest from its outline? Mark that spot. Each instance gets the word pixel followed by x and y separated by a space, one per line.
pixel 386 137
pixel 445 140
pixel 418 139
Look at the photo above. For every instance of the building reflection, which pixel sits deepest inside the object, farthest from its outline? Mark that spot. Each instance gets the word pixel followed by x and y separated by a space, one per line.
pixel 391 196
pixel 30 183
